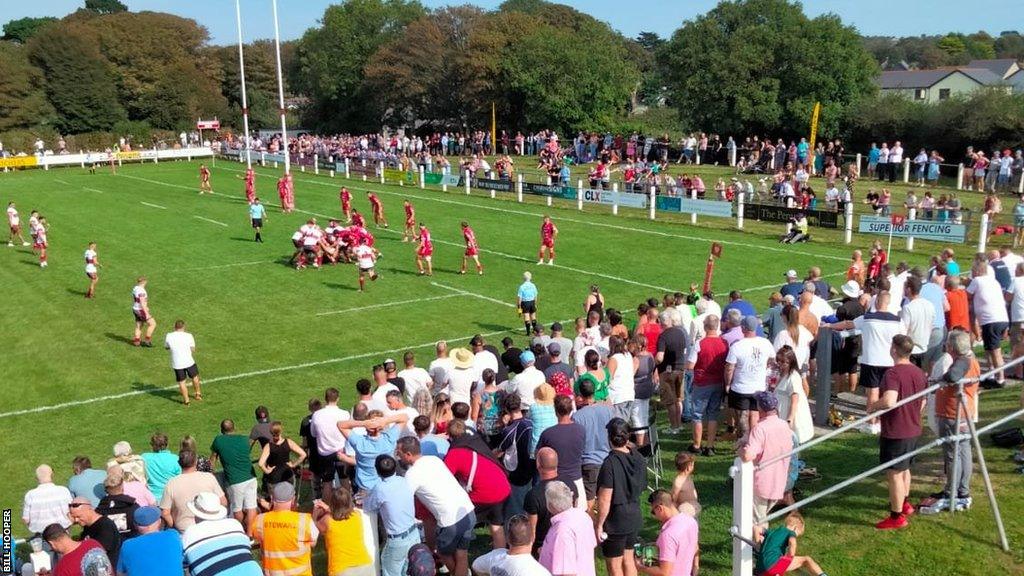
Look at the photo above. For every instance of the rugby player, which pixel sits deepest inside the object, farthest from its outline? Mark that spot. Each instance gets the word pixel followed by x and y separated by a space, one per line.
pixel 366 258
pixel 39 243
pixel 250 184
pixel 204 179
pixel 425 252
pixel 14 222
pixel 140 308
pixel 472 250
pixel 311 235
pixel 257 214
pixel 346 204
pixel 357 219
pixel 92 263
pixel 410 222
pixel 548 233
pixel 378 210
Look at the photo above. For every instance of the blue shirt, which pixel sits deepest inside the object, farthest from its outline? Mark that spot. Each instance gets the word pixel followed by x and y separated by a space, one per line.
pixel 745 308
pixel 393 498
pixel 873 155
pixel 367 449
pixel 256 211
pixel 434 445
pixel 936 296
pixel 527 291
pixel 88 484
pixel 594 418
pixel 801 149
pixel 154 554
pixel 791 289
pixel 160 467
pixel 952 268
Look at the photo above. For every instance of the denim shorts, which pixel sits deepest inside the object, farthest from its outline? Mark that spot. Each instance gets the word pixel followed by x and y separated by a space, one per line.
pixel 707 402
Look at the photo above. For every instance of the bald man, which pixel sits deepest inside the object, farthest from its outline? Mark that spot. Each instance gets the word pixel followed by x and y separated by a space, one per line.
pixel 536 504
pixel 46 504
pixel 96 526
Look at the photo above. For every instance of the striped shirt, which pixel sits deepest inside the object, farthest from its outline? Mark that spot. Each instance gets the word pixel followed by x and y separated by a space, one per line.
pixel 219 547
pixel 46 504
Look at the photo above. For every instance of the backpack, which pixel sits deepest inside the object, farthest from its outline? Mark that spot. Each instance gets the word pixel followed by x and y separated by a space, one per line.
pixel 510 459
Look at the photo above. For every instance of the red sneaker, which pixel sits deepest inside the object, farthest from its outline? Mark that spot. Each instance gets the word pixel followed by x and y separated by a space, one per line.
pixel 908 508
pixel 891 523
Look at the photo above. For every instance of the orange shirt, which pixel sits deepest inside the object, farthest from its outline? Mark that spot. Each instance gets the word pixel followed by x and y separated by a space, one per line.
pixel 958 315
pixel 945 397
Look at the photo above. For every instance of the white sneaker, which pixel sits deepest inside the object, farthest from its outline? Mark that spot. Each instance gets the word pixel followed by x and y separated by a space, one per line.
pixel 10 244
pixel 24 243
pixel 540 262
pixel 42 264
pixel 964 504
pixel 551 262
pixel 940 505
pixel 876 428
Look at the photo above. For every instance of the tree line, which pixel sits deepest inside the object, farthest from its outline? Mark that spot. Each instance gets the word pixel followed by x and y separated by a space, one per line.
pixel 745 67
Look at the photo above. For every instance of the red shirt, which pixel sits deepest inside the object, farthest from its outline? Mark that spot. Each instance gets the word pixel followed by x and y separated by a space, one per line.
pixel 490 485
pixel 346 197
pixel 89 558
pixel 204 173
pixel 903 422
pixel 547 231
pixel 709 369
pixel 358 220
pixel 375 201
pixel 409 212
pixel 425 238
pixel 651 331
pixel 470 237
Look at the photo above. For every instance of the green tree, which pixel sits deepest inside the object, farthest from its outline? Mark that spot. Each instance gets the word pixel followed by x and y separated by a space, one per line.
pixel 22 94
pixel 1010 45
pixel 731 72
pixel 22 29
pixel 330 60
pixel 105 6
pixel 79 83
pixel 260 81
pixel 953 45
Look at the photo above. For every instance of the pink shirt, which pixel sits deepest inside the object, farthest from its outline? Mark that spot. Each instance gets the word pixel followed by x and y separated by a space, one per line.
pixel 141 493
pixel 677 543
pixel 770 438
pixel 569 546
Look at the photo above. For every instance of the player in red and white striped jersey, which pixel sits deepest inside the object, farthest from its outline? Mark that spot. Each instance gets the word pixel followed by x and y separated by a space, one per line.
pixel 311 236
pixel 366 259
pixel 140 309
pixel 14 223
pixel 204 179
pixel 39 242
pixel 472 249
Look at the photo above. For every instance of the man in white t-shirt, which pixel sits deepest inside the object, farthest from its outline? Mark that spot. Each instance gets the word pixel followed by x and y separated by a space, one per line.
pixel 323 425
pixel 440 369
pixel 897 280
pixel 379 399
pixel 416 378
pixel 527 381
pixel 990 311
pixel 917 317
pixel 182 345
pixel 449 504
pixel 1017 316
pixel 519 561
pixel 482 358
pixel 746 372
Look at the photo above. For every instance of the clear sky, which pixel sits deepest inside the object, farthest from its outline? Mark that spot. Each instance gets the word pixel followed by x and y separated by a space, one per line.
pixel 871 17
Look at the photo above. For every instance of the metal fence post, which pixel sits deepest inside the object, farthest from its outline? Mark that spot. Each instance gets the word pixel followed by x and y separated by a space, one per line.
pixel 983 233
pixel 654 193
pixel 519 188
pixel 906 170
pixel 911 216
pixel 347 173
pixel 742 474
pixel 739 210
pixel 615 198
pixel 316 164
pixel 849 222
pixel 579 194
pixel 960 176
pixel 467 182
pixel 859 157
pixel 693 215
pixel 423 178
pixel 732 156
pixel 381 166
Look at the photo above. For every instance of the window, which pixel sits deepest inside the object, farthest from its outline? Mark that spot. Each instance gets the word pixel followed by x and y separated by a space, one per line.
pixel 943 93
pixel 920 93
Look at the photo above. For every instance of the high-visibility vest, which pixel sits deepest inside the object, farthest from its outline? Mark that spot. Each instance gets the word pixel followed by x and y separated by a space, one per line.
pixel 287 539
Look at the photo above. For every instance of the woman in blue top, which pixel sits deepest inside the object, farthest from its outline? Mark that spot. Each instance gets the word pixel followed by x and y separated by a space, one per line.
pixel 933 167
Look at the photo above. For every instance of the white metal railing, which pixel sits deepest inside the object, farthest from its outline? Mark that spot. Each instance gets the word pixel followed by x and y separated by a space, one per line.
pixel 742 473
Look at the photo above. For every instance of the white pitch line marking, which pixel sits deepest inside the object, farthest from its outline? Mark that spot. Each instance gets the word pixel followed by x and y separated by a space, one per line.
pixel 389 304
pixel 460 292
pixel 64 182
pixel 93 190
pixel 574 220
pixel 377 354
pixel 153 205
pixel 211 221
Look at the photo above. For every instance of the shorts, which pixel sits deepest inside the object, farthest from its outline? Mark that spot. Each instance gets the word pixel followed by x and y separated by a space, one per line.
pixel 780 567
pixel 590 473
pixel 891 448
pixel 257 222
pixel 547 244
pixel 762 507
pixel 615 544
pixel 623 410
pixel 182 374
pixel 297 243
pixel 410 222
pixel 425 253
pixel 992 335
pixel 457 536
pixel 330 467
pixel 472 252
pixel 242 496
pixel 16 229
pixel 528 307
pixel 707 402
pixel 491 514
pixel 369 271
pixel 140 316
pixel 871 376
pixel 640 414
pixel 91 275
pixel 739 401
pixel 671 388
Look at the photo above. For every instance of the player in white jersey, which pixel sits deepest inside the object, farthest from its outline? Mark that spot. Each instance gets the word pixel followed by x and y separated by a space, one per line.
pixel 14 222
pixel 33 222
pixel 366 259
pixel 39 242
pixel 92 265
pixel 311 235
pixel 140 308
pixel 297 243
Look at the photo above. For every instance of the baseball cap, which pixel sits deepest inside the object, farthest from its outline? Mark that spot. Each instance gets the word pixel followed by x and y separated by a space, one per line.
pixel 283 492
pixel 146 515
pixel 791 274
pixel 554 349
pixel 766 401
pixel 750 323
pixel 527 357
pixel 389 361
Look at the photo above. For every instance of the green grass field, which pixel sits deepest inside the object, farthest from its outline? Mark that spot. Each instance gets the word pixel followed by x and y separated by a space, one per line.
pixel 268 334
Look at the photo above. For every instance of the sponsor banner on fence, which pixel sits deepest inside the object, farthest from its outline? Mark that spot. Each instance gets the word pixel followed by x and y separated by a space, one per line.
pixel 706 207
pixel 128 155
pixel 18 162
pixel 450 179
pixel 268 157
pixel 395 175
pixel 568 192
pixel 775 213
pixel 355 167
pixel 667 203
pixel 611 197
pixel 487 184
pixel 632 200
pixel 923 229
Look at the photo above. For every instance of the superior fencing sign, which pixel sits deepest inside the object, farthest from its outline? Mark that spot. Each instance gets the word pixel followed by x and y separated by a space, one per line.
pixel 776 213
pixel 923 229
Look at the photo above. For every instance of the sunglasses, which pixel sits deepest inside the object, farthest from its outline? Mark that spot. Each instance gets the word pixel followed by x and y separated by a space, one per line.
pixel 76 504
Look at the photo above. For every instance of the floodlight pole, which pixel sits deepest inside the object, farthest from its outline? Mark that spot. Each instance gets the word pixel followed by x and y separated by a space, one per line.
pixel 241 72
pixel 280 92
